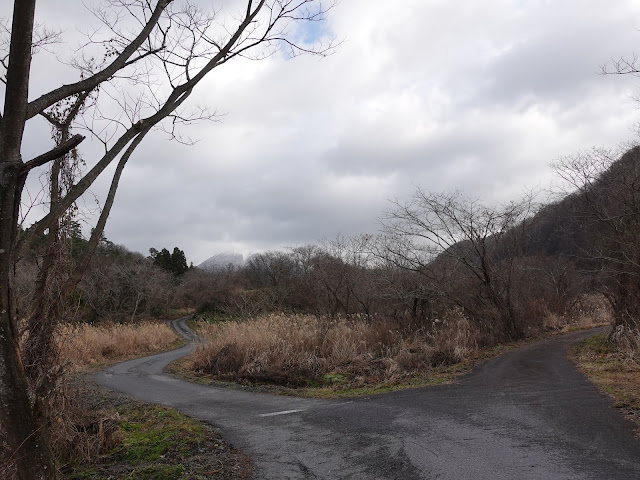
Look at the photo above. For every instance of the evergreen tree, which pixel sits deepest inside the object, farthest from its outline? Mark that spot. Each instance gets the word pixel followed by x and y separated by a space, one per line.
pixel 178 262
pixel 175 262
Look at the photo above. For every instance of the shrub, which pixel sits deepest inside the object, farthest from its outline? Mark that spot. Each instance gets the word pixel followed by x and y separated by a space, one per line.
pixel 298 350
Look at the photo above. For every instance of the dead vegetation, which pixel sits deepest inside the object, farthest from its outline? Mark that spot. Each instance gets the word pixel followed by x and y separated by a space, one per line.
pixel 354 352
pixel 80 432
pixel 588 311
pixel 628 344
pixel 83 346
pixel 304 350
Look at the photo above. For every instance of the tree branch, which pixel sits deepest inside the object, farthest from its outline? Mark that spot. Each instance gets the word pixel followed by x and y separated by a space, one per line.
pixel 52 154
pixel 45 101
pixel 142 126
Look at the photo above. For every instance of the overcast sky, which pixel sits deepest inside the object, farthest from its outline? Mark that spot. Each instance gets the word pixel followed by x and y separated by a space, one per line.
pixel 467 95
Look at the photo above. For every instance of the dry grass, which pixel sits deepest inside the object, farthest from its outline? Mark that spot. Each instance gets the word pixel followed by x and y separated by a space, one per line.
pixel 589 311
pixel 79 433
pixel 84 346
pixel 298 351
pixel 627 341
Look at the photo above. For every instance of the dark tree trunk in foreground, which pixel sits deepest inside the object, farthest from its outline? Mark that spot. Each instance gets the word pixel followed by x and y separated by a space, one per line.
pixel 24 432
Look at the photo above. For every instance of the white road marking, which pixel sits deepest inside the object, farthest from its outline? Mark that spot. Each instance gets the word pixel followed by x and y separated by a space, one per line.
pixel 163 378
pixel 284 412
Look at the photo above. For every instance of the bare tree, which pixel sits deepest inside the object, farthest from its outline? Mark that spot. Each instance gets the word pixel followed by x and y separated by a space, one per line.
pixel 357 272
pixel 173 47
pixel 604 202
pixel 123 286
pixel 451 239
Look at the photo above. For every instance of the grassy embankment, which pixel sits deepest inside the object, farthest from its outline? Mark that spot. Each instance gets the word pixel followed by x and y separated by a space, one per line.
pixel 104 435
pixel 615 371
pixel 148 442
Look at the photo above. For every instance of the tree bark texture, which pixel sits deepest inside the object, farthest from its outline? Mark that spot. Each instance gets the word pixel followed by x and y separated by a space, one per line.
pixel 24 433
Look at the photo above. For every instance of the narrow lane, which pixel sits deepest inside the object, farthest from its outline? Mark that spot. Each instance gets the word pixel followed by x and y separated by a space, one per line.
pixel 528 414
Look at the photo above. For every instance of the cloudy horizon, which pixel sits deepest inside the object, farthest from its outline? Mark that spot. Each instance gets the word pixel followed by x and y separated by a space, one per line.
pixel 471 96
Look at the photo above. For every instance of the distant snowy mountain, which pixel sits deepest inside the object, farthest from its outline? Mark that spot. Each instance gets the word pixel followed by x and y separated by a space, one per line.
pixel 222 260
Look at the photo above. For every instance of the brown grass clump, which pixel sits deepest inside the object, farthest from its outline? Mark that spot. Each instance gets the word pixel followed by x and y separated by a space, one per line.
pixel 296 350
pixel 85 345
pixel 627 341
pixel 589 311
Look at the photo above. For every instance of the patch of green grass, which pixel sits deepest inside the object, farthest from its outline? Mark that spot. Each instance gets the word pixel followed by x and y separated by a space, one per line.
pixel 157 472
pixel 84 474
pixel 596 345
pixel 152 432
pixel 335 378
pixel 144 445
pixel 159 443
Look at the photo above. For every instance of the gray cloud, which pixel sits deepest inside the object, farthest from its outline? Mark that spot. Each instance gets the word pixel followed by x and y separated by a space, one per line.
pixel 476 96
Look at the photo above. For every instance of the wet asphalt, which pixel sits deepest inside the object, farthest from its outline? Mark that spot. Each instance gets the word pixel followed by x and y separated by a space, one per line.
pixel 528 414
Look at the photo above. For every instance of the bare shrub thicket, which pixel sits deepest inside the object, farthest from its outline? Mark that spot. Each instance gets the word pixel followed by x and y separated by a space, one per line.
pixel 433 233
pixel 122 286
pixel 587 311
pixel 296 350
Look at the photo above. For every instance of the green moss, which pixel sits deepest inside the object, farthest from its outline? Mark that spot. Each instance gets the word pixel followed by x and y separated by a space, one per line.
pixel 145 445
pixel 157 472
pixel 157 443
pixel 598 344
pixel 335 378
pixel 152 432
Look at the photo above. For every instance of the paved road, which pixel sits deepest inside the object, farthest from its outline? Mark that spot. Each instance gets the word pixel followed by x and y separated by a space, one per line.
pixel 528 414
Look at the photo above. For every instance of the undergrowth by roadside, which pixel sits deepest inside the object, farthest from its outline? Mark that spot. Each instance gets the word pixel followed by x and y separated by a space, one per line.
pixel 613 371
pixel 345 357
pixel 150 442
pixel 304 351
pixel 337 385
pixel 98 434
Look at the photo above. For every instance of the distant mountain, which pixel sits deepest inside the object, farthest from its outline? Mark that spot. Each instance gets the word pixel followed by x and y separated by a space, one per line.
pixel 581 222
pixel 222 260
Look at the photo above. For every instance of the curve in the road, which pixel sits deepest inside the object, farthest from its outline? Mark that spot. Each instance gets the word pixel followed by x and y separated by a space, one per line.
pixel 526 415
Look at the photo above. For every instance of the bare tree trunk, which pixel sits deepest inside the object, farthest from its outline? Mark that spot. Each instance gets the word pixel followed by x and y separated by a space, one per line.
pixel 24 434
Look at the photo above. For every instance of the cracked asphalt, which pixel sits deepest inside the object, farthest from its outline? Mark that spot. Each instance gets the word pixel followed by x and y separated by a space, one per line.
pixel 528 414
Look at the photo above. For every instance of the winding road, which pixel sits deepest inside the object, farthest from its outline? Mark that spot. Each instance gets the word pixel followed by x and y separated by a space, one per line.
pixel 528 414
